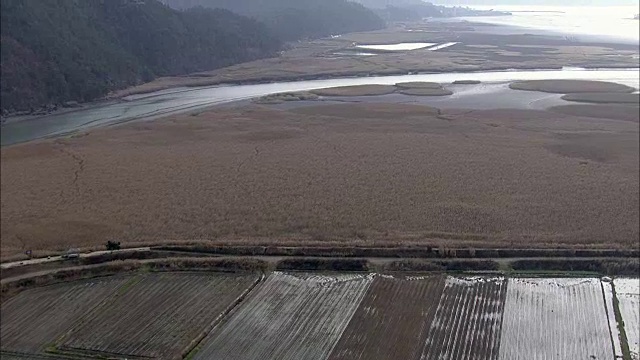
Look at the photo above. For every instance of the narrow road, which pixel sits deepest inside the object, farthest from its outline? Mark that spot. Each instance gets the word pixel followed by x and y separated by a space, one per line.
pixel 375 261
pixel 48 259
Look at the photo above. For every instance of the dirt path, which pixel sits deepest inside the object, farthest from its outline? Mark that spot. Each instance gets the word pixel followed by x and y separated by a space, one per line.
pixel 374 261
pixel 48 259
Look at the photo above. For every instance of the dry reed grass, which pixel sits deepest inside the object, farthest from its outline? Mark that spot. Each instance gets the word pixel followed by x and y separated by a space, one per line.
pixel 604 98
pixel 356 90
pixel 358 174
pixel 571 86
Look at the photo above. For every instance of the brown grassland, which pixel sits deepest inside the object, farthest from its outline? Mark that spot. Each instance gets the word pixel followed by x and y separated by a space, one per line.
pixel 426 92
pixel 346 173
pixel 605 98
pixel 358 90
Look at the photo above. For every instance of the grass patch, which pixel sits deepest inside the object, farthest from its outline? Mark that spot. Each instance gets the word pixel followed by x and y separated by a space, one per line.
pixel 419 85
pixel 607 267
pixel 312 264
pixel 602 111
pixel 418 88
pixel 442 265
pixel 288 96
pixel 467 82
pixel 358 90
pixel 570 86
pixel 426 92
pixel 603 98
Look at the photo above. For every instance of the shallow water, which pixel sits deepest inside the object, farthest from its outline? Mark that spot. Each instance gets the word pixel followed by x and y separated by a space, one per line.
pixel 166 102
pixel 605 22
pixel 397 47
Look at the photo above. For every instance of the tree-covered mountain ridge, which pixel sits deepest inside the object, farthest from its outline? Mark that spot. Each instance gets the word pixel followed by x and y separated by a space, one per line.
pixel 60 51
pixel 297 19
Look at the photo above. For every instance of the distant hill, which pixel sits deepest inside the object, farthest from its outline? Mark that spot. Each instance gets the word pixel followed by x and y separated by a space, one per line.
pixel 408 10
pixel 540 2
pixel 297 19
pixel 53 51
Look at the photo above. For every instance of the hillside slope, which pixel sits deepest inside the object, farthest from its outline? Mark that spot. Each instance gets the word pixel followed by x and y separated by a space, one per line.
pixel 60 50
pixel 297 19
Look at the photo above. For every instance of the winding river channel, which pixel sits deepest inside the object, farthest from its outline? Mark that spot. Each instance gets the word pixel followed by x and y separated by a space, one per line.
pixel 157 104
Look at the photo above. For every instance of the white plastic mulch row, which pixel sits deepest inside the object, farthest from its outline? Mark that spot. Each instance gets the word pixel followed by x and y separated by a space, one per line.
pixel 628 294
pixel 551 319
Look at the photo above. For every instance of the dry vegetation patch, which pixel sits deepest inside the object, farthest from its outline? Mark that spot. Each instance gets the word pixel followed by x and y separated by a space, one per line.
pixel 357 90
pixel 341 173
pixel 419 85
pixel 369 110
pixel 426 92
pixel 571 86
pixel 422 89
pixel 604 98
pixel 288 96
pixel 604 111
pixel 467 82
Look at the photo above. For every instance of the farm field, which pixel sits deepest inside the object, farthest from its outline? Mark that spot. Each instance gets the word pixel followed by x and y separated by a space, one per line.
pixel 323 316
pixel 467 322
pixel 157 315
pixel 34 320
pixel 288 317
pixel 628 295
pixel 555 319
pixel 391 319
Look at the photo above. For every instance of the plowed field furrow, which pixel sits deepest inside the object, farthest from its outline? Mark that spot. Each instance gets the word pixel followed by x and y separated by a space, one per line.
pixel 35 319
pixel 551 319
pixel 466 324
pixel 392 320
pixel 288 317
pixel 158 316
pixel 628 294
pixel 611 316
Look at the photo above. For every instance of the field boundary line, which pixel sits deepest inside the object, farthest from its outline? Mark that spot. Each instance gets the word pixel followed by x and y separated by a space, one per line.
pixel 43 356
pixel 624 341
pixel 193 346
pixel 609 320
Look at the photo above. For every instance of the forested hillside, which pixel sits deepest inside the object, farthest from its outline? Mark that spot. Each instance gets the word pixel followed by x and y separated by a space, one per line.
pixel 55 51
pixel 297 19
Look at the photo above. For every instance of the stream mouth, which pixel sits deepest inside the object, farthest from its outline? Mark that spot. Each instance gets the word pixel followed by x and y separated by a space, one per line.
pixel 168 102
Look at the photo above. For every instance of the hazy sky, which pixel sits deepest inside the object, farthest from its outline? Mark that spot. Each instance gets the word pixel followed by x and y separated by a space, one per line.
pixel 538 2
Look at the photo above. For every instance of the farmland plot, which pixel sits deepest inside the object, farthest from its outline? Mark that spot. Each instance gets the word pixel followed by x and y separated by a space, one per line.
pixel 467 322
pixel 555 319
pixel 34 319
pixel 157 316
pixel 288 317
pixel 392 319
pixel 628 294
